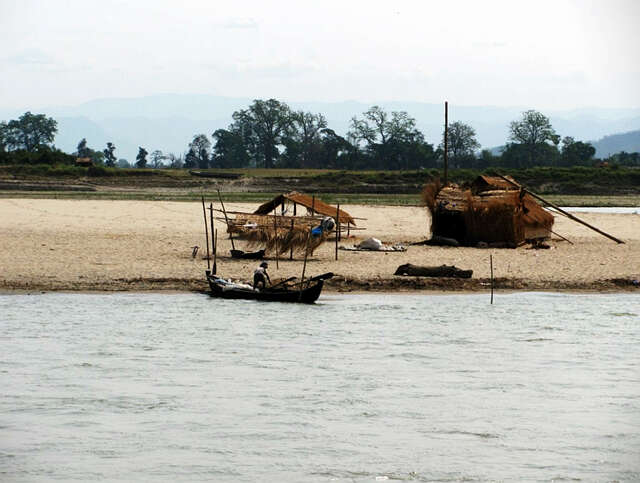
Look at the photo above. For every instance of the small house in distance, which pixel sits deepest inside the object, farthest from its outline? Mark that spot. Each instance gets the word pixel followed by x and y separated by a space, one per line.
pixel 84 162
pixel 490 210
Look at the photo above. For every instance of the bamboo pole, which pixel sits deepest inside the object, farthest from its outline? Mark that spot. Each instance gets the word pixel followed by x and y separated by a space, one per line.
pixel 491 265
pixel 206 233
pixel 446 135
pixel 565 213
pixel 291 251
pixel 558 235
pixel 212 225
pixel 304 265
pixel 215 254
pixel 213 241
pixel 337 228
pixel 227 221
pixel 275 234
pixel 313 205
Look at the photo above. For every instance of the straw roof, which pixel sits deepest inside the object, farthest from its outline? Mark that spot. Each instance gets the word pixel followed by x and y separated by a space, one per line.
pixel 489 209
pixel 307 201
pixel 491 183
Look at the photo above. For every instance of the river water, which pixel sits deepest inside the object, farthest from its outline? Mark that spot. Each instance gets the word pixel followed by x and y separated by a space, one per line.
pixel 181 387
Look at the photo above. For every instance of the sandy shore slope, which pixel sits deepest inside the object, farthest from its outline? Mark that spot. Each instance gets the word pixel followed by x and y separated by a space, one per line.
pixel 138 245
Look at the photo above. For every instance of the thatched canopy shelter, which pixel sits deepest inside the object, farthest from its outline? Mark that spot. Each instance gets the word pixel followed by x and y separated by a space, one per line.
pixel 489 210
pixel 313 205
pixel 84 162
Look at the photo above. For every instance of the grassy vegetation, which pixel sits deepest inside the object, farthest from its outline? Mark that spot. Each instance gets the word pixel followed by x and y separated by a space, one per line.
pixel 332 198
pixel 578 186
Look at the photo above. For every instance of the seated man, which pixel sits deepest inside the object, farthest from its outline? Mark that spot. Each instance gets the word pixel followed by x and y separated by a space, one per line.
pixel 260 276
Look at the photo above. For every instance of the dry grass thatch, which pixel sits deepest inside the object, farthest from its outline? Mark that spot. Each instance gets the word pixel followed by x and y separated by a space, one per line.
pixel 486 212
pixel 311 203
pixel 282 235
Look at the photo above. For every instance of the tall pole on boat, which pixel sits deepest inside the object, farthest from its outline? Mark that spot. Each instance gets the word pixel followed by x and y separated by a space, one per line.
pixel 213 240
pixel 491 268
pixel 215 254
pixel 304 265
pixel 227 221
pixel 206 233
pixel 337 228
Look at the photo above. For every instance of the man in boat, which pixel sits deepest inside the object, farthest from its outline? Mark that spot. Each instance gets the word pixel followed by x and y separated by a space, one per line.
pixel 260 276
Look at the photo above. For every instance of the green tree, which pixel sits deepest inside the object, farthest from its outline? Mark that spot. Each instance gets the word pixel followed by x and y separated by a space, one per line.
pixel 461 145
pixel 141 157
pixel 190 159
pixel 175 162
pixel 263 127
pixel 230 150
pixel 534 128
pixel 156 159
pixel 82 150
pixel 391 140
pixel 576 152
pixel 29 132
pixel 4 133
pixel 200 148
pixel 530 138
pixel 109 156
pixel 303 140
pixel 335 149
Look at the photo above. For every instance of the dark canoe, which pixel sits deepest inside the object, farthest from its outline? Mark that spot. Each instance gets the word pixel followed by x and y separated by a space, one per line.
pixel 308 295
pixel 259 255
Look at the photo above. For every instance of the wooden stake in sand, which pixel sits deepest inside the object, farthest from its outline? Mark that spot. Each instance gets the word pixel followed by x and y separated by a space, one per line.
pixel 275 235
pixel 491 266
pixel 226 220
pixel 206 233
pixel 291 251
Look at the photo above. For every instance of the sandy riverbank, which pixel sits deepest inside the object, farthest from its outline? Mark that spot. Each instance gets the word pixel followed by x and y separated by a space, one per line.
pixel 138 245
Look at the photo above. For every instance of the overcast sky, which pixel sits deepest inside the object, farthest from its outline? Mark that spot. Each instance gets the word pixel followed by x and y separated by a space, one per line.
pixel 543 54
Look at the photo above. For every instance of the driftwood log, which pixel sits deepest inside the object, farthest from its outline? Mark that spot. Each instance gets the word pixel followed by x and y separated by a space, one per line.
pixel 439 241
pixel 449 271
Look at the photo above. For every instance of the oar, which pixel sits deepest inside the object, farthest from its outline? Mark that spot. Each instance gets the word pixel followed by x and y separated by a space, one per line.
pixel 282 282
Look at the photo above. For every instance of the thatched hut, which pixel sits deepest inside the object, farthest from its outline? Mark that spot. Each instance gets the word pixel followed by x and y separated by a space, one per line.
pixel 288 203
pixel 490 210
pixel 284 230
pixel 84 162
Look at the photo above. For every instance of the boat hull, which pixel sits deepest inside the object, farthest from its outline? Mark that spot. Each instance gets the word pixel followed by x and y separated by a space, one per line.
pixel 306 296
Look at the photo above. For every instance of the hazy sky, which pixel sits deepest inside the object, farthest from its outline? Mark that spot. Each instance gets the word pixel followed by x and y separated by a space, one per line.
pixel 543 54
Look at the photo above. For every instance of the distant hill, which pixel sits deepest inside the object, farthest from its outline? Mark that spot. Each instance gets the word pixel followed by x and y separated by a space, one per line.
pixel 168 122
pixel 608 145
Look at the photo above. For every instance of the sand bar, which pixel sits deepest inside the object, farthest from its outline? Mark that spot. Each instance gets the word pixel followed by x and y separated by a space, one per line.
pixel 147 245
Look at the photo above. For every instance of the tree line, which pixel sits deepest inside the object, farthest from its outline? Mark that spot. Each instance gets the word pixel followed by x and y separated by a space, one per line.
pixel 269 134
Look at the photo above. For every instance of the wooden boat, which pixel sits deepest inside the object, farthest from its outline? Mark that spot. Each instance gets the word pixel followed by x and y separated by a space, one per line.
pixel 259 255
pixel 278 293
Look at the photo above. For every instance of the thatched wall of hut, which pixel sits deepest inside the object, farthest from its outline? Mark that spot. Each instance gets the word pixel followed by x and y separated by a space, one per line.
pixel 489 210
